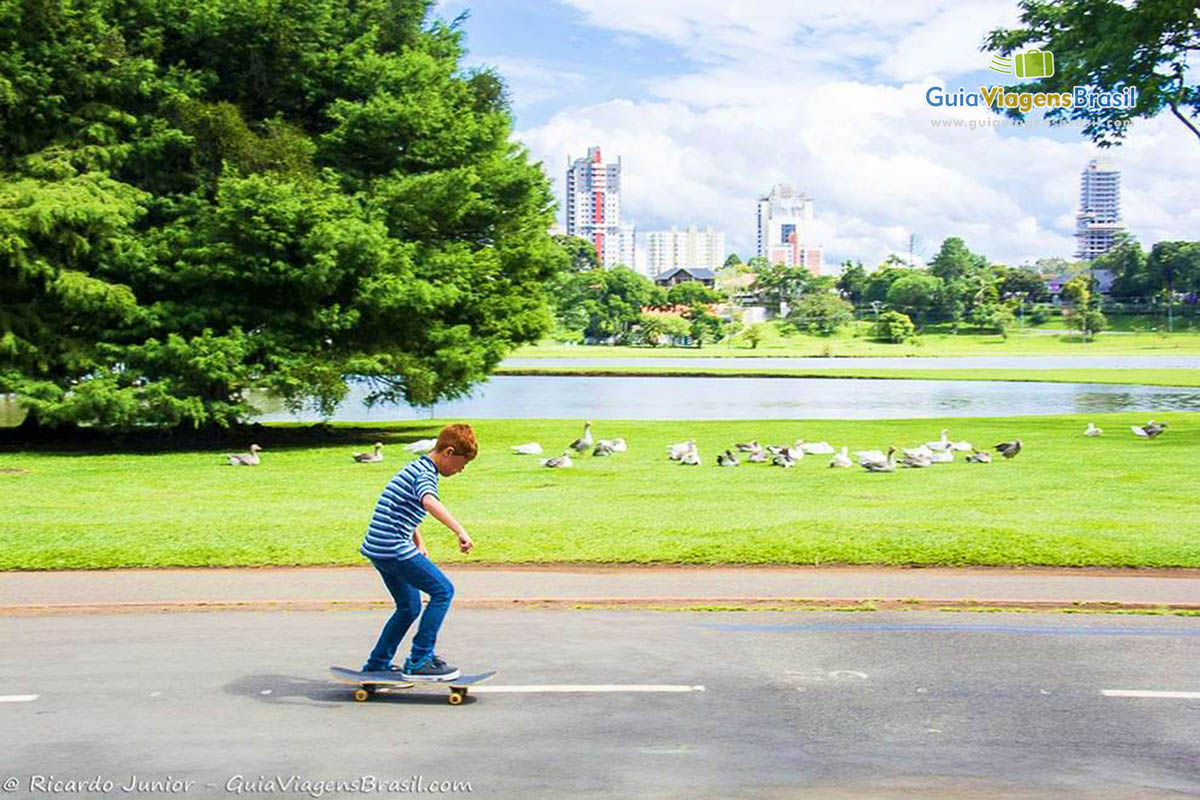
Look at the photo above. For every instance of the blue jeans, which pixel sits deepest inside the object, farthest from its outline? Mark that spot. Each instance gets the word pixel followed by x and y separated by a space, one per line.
pixel 406 580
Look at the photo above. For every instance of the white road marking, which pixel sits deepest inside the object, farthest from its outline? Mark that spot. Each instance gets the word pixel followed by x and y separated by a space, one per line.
pixel 1143 693
pixel 585 687
pixel 18 698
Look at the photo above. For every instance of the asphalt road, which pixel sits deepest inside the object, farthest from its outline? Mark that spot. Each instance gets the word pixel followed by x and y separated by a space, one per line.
pixel 813 705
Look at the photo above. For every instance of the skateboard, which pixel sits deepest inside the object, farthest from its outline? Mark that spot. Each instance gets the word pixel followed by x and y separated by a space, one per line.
pixel 370 682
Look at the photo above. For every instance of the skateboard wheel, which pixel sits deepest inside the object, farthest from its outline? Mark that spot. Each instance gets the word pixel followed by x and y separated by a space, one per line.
pixel 361 695
pixel 456 698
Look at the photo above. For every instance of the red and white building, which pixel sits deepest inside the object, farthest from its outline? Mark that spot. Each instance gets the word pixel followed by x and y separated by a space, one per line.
pixel 594 208
pixel 785 229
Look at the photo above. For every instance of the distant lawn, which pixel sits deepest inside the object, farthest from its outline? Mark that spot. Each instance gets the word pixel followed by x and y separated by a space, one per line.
pixel 936 340
pixel 1066 500
pixel 1127 377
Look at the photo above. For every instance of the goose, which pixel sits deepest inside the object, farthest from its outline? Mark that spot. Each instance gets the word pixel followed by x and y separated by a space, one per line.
pixel 815 448
pixel 692 457
pixel 758 456
pixel 678 451
pixel 1009 449
pixel 888 464
pixel 917 462
pixel 776 449
pixel 865 456
pixel 528 449
pixel 370 458
pixel 940 444
pixel 1092 430
pixel 748 447
pixel 560 461
pixel 583 443
pixel 727 459
pixel 245 459
pixel 842 459
pixel 795 452
pixel 603 449
pixel 783 460
pixel 420 445
pixel 942 457
pixel 921 451
pixel 979 457
pixel 1149 430
pixel 945 444
pixel 615 445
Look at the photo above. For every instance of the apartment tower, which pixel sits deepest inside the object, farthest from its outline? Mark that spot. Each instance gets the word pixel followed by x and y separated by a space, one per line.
pixel 594 208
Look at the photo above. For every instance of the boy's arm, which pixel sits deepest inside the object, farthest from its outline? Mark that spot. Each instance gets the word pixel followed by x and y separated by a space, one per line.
pixel 443 515
pixel 419 542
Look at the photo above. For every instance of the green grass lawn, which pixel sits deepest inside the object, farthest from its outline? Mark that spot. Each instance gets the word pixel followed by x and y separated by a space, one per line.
pixel 1128 377
pixel 937 340
pixel 1066 500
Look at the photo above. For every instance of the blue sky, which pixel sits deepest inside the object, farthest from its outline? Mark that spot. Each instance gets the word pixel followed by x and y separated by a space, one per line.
pixel 709 104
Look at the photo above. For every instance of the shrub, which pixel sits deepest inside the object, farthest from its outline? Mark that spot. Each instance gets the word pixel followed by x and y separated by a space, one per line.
pixel 895 327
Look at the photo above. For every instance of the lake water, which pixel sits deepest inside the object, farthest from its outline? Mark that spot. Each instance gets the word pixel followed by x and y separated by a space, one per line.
pixel 881 362
pixel 562 397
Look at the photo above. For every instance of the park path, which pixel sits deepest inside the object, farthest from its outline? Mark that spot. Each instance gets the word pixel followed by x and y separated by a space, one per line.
pixel 481 586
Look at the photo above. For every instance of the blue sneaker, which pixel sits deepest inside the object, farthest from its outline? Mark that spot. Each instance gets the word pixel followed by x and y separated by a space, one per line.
pixel 430 669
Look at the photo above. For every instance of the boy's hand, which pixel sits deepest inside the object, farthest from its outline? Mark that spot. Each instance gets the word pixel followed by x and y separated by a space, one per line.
pixel 464 542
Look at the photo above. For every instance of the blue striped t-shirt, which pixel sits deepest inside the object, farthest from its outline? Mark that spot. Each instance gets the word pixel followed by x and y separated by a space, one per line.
pixel 399 511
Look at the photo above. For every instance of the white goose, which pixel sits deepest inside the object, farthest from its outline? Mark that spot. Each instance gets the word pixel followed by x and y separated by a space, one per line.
pixel 979 457
pixel 727 459
pixel 618 445
pixel 888 464
pixel 420 445
pixel 528 449
pixel 692 457
pixel 942 456
pixel 583 443
pixel 370 458
pixel 921 451
pixel 870 456
pixel 559 461
pixel 245 459
pixel 759 456
pixel 678 451
pixel 1092 430
pixel 945 444
pixel 842 459
pixel 816 448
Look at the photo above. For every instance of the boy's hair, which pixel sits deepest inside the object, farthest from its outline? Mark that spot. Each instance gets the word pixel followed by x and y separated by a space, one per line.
pixel 461 438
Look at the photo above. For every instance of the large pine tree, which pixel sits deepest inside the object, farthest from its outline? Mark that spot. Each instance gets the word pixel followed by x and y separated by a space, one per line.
pixel 199 199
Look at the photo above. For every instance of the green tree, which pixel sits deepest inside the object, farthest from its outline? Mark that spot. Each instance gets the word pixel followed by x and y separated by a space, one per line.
pixel 894 327
pixel 1173 266
pixel 994 316
pixel 1127 261
pixel 580 253
pixel 852 283
pixel 1111 45
pixel 732 260
pixel 954 260
pixel 754 334
pixel 780 284
pixel 821 313
pixel 880 281
pixel 692 293
pixel 1021 283
pixel 608 303
pixel 915 293
pixel 197 200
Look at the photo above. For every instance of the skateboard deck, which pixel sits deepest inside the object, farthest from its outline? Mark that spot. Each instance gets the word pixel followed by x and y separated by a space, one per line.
pixel 370 682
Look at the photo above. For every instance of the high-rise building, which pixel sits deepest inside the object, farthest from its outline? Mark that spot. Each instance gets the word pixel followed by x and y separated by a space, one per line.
pixel 1099 217
pixel 693 247
pixel 594 208
pixel 785 229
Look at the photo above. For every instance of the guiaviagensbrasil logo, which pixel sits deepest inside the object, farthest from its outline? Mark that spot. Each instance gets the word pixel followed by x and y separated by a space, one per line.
pixel 1030 64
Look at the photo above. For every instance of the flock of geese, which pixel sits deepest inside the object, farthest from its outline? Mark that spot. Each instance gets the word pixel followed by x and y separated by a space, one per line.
pixel 926 455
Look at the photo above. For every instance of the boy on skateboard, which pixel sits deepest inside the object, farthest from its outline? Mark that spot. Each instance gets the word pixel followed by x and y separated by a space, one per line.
pixel 394 546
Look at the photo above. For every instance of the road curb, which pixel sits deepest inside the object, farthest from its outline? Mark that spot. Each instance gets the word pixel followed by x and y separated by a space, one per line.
pixel 615 603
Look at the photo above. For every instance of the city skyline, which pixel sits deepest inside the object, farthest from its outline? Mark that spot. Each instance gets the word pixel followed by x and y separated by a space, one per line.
pixel 710 106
